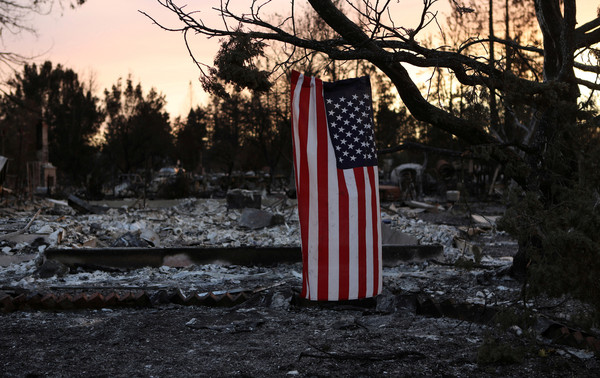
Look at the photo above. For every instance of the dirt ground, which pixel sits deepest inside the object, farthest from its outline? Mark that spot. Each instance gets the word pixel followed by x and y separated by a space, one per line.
pixel 433 319
pixel 268 337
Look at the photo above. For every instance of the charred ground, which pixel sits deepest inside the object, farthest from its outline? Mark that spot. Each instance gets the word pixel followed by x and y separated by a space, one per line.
pixel 456 316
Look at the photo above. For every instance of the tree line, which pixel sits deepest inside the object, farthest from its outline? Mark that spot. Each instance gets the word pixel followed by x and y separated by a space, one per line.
pixel 93 139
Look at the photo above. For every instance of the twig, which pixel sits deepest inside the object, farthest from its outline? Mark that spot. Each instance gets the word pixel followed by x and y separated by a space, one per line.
pixel 10 235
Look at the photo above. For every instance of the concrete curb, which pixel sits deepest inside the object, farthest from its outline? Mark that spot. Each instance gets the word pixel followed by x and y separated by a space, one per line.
pixel 130 258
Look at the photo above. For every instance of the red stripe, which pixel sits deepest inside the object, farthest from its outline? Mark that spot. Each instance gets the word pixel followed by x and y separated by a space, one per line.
pixel 359 176
pixel 344 248
pixel 323 194
pixel 374 213
pixel 303 184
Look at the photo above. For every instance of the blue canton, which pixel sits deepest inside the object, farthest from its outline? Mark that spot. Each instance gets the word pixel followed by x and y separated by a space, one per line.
pixel 350 121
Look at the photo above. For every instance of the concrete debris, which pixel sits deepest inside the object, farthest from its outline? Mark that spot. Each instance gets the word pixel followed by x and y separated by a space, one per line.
pixel 84 207
pixel 390 236
pixel 240 198
pixel 485 222
pixel 52 268
pixel 424 205
pixel 150 237
pixel 255 219
pixel 130 239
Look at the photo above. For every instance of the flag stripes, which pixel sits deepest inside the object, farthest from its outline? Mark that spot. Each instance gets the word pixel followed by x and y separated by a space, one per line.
pixel 338 208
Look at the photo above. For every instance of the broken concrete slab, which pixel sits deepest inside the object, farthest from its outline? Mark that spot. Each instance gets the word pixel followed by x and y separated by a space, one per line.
pixel 85 207
pixel 391 236
pixel 255 219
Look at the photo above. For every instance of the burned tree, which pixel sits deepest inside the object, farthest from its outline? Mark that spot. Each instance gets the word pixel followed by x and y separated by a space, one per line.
pixel 551 166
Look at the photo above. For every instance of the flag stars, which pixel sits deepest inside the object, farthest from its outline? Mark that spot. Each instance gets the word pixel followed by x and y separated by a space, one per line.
pixel 350 126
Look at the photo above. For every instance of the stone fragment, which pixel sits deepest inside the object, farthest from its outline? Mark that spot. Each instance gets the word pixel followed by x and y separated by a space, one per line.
pixel 255 219
pixel 52 268
pixel 390 236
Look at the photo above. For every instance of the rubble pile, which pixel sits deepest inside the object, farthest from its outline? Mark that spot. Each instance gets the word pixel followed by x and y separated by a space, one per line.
pixel 190 222
pixel 184 223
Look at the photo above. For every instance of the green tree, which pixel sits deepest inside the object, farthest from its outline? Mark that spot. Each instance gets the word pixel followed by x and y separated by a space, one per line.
pixel 138 131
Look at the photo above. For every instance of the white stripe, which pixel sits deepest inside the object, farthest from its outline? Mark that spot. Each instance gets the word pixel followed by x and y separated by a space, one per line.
pixel 379 244
pixel 295 119
pixel 334 224
pixel 368 231
pixel 313 220
pixel 353 232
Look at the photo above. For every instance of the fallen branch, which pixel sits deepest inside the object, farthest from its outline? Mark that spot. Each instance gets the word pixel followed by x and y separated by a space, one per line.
pixel 19 232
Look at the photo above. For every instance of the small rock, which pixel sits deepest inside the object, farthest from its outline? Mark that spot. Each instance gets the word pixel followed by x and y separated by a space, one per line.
pixel 52 268
pixel 255 219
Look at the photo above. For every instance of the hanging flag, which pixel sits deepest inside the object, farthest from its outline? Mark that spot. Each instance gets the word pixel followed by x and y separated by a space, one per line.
pixel 337 185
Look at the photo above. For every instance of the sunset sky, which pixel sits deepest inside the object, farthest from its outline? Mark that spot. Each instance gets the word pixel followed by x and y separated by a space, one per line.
pixel 109 39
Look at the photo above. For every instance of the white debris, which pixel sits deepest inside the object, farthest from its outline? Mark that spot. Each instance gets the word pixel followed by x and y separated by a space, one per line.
pixel 45 229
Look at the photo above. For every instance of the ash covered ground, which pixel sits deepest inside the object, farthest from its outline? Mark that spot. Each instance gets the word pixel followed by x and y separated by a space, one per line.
pixel 456 315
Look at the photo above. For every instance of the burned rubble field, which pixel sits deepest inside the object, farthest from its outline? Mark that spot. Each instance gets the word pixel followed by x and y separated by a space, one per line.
pixel 437 317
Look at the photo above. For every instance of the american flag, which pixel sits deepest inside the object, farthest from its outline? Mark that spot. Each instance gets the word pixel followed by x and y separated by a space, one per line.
pixel 337 183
